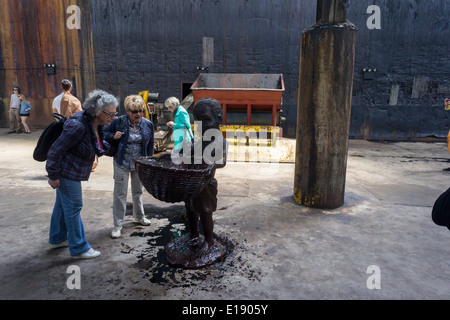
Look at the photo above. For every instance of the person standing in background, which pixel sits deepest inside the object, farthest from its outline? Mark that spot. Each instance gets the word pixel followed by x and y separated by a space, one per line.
pixel 181 124
pixel 24 112
pixel 69 103
pixel 56 105
pixel 15 124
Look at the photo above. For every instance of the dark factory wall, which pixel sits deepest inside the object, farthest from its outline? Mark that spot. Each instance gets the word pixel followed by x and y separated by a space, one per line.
pixel 157 45
pixel 410 52
pixel 129 46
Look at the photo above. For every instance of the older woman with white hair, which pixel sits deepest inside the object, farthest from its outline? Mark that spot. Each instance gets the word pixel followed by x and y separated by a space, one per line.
pixel 136 138
pixel 69 161
pixel 181 124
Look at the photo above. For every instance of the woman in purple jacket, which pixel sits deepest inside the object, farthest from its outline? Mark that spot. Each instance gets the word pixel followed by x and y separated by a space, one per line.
pixel 69 161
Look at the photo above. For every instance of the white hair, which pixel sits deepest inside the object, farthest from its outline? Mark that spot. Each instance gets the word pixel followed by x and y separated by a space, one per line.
pixel 172 102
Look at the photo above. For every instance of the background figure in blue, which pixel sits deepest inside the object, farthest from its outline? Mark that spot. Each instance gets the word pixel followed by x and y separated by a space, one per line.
pixel 181 121
pixel 69 161
pixel 24 112
pixel 136 139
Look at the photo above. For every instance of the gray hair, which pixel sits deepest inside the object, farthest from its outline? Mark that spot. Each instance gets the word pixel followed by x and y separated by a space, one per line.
pixel 98 101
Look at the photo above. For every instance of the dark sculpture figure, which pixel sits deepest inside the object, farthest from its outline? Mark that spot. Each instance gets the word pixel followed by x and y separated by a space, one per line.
pixel 194 250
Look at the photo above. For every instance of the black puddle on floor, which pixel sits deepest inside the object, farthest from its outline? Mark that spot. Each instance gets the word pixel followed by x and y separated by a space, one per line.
pixel 154 266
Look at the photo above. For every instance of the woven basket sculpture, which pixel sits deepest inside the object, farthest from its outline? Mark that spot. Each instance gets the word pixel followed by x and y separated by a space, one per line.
pixel 169 182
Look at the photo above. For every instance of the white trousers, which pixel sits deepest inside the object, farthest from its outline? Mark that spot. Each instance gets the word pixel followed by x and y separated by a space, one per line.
pixel 120 195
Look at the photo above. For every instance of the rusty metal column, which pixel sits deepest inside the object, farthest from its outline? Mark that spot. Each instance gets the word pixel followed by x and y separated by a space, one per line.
pixel 323 119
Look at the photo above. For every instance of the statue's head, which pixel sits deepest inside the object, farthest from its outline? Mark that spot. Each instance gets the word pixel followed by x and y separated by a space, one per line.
pixel 209 112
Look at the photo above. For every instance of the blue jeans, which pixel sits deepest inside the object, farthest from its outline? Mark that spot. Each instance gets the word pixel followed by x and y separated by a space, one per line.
pixel 66 223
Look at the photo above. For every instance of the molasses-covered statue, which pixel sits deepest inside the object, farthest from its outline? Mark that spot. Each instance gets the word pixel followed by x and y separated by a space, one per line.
pixel 195 250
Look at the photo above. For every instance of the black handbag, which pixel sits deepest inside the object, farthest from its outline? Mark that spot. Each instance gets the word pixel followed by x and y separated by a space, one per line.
pixel 441 210
pixel 113 144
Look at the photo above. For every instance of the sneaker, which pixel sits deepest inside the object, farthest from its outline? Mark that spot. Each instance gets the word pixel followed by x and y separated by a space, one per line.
pixel 12 131
pixel 59 245
pixel 116 232
pixel 90 254
pixel 144 221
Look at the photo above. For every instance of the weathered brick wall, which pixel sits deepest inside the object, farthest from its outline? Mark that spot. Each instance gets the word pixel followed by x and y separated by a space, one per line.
pixel 33 33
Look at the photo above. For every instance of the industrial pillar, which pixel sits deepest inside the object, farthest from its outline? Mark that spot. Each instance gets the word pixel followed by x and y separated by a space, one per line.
pixel 323 119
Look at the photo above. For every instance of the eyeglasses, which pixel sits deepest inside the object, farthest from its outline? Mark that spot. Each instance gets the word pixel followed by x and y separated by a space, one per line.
pixel 111 115
pixel 136 111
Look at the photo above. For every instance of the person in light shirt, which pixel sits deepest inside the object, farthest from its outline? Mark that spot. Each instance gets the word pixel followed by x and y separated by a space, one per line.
pixel 15 123
pixel 56 105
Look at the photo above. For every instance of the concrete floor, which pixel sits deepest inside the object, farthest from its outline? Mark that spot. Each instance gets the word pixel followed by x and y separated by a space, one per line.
pixel 281 250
